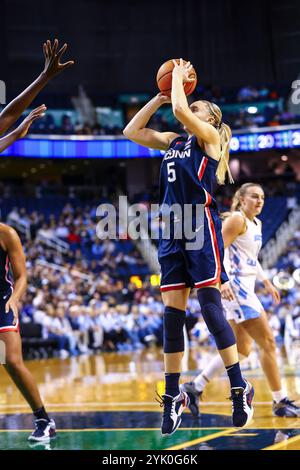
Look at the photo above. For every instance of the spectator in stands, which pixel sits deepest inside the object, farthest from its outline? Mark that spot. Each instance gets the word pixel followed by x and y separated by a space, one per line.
pixel 46 231
pixel 263 93
pixel 247 93
pixel 66 125
pixel 73 237
pixel 62 231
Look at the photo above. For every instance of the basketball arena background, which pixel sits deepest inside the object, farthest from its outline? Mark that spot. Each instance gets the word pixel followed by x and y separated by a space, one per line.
pixel 91 319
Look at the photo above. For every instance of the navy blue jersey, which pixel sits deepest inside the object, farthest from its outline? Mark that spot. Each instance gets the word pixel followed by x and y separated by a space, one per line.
pixel 188 174
pixel 5 282
pixel 7 322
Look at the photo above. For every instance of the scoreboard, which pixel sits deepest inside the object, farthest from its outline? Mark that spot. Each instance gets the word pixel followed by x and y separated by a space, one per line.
pixel 256 141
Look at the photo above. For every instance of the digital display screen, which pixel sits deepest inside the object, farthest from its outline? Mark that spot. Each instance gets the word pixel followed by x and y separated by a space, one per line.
pixel 73 147
pixel 255 142
pixel 67 148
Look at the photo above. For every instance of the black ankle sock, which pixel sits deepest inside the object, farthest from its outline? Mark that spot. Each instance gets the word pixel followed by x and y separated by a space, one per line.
pixel 41 414
pixel 235 376
pixel 172 384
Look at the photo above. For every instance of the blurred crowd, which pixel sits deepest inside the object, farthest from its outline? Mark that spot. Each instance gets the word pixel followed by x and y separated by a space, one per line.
pixel 73 238
pixel 262 106
pixel 65 126
pixel 85 299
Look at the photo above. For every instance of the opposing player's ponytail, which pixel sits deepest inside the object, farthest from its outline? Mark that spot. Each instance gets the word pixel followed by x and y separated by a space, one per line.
pixel 236 203
pixel 241 192
pixel 225 136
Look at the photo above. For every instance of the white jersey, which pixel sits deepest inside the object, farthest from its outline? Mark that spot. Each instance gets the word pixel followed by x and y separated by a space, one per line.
pixel 242 266
pixel 241 257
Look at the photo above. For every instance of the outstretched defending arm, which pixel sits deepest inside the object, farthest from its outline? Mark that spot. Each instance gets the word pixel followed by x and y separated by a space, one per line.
pixel 52 67
pixel 23 128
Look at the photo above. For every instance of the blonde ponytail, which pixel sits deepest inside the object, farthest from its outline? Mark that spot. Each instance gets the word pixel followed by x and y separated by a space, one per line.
pixel 223 167
pixel 236 203
pixel 225 136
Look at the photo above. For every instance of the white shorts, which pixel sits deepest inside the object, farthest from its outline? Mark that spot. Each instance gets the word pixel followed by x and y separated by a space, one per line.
pixel 246 304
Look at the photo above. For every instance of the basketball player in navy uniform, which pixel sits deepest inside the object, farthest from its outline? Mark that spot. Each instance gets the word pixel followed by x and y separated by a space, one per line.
pixel 190 170
pixel 11 250
pixel 12 256
pixel 14 110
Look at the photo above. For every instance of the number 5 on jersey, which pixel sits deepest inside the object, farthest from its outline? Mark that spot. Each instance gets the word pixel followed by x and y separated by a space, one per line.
pixel 171 172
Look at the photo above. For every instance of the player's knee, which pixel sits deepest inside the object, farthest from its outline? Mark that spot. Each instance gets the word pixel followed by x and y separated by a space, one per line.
pixel 268 344
pixel 174 320
pixel 13 361
pixel 243 350
pixel 244 346
pixel 213 315
pixel 211 309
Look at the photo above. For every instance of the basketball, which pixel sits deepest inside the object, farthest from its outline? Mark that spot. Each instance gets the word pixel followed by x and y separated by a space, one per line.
pixel 164 78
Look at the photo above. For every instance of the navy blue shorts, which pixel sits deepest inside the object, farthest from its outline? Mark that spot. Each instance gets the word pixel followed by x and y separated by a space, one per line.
pixel 182 268
pixel 6 319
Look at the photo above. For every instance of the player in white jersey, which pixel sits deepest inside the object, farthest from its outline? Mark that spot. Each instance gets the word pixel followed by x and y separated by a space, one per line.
pixel 242 237
pixel 242 265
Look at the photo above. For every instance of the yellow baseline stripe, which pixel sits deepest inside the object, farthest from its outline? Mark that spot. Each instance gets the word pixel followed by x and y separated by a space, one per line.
pixel 246 435
pixel 201 439
pixel 279 445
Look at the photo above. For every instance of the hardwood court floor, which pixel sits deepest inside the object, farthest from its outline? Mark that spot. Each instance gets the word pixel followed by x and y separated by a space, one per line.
pixel 107 402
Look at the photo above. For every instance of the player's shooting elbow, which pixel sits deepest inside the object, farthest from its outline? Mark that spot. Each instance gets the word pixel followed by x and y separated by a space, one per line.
pixel 128 132
pixel 133 134
pixel 125 132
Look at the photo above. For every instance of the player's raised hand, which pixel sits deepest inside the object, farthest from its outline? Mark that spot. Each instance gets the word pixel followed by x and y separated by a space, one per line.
pixel 53 66
pixel 163 99
pixel 184 70
pixel 23 128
